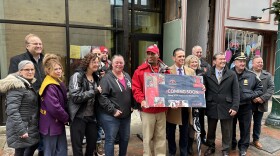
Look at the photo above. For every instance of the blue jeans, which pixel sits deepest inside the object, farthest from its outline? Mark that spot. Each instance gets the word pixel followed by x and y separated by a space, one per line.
pixel 55 145
pixel 257 117
pixel 111 127
pixel 99 133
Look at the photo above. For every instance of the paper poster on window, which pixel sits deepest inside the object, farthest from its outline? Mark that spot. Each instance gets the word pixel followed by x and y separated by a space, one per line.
pixel 163 90
pixel 75 52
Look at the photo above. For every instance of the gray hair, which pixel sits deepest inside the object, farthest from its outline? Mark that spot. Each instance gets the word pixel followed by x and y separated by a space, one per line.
pixel 23 63
pixel 216 54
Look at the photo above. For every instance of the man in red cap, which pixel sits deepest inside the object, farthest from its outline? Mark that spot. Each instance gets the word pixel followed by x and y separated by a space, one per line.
pixel 153 118
pixel 104 57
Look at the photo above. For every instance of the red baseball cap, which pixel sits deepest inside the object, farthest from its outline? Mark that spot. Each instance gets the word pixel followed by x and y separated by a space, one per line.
pixel 103 49
pixel 153 48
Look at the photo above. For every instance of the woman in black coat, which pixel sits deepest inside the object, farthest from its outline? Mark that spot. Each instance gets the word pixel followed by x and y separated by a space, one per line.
pixel 22 110
pixel 83 91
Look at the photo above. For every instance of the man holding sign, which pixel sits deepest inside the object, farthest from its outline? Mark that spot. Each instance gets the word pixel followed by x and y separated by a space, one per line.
pixel 179 116
pixel 153 118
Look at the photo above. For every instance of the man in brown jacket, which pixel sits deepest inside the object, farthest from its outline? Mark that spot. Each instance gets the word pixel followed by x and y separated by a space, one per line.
pixel 178 116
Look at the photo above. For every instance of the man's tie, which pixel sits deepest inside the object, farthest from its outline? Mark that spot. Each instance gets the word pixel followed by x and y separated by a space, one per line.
pixel 219 77
pixel 180 71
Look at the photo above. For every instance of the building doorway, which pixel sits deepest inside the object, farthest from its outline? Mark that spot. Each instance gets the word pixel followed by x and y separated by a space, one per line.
pixel 145 28
pixel 139 43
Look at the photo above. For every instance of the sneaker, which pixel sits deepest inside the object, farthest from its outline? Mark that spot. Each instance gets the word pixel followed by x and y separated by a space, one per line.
pixel 242 153
pixel 100 149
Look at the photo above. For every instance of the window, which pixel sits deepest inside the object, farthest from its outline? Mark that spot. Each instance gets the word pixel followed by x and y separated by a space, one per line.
pixel 12 42
pixel 95 13
pixel 83 39
pixel 52 11
pixel 248 42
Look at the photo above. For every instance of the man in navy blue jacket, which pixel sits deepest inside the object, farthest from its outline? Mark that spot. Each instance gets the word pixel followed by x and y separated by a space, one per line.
pixel 250 88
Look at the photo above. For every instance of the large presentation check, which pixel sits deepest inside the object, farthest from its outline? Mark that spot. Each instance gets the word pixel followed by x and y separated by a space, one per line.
pixel 167 90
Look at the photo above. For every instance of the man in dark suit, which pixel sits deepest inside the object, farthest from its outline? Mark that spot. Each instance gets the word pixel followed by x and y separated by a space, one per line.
pixel 222 96
pixel 34 48
pixel 260 104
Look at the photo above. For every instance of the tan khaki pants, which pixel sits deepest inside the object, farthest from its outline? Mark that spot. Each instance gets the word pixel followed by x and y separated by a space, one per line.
pixel 154 131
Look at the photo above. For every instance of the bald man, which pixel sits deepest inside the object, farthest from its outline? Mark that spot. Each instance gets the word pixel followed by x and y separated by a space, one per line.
pixel 197 51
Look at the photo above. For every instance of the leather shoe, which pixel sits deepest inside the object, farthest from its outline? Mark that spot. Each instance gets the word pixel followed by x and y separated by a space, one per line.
pixel 209 151
pixel 242 153
pixel 225 153
pixel 257 144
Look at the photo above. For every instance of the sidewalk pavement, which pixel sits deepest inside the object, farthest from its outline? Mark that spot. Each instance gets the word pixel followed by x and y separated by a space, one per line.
pixel 270 138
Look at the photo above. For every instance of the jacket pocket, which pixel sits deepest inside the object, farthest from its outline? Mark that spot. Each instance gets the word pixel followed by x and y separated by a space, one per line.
pixel 228 99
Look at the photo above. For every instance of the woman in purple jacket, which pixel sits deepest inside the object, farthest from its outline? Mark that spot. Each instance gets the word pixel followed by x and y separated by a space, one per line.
pixel 53 116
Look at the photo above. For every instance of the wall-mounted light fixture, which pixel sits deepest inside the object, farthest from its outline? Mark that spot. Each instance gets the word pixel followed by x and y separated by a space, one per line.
pixel 255 18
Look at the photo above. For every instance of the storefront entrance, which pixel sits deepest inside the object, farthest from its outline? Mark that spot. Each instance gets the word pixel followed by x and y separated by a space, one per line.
pixel 139 43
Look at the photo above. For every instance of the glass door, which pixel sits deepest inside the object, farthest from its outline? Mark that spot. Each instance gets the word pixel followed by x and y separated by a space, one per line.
pixel 139 45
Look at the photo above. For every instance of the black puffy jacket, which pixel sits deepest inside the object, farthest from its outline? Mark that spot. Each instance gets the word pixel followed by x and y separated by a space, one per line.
pixel 39 71
pixel 22 111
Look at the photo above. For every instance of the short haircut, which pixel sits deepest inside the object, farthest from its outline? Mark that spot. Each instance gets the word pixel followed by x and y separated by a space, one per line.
pixel 255 57
pixel 195 47
pixel 27 37
pixel 216 54
pixel 177 49
pixel 117 55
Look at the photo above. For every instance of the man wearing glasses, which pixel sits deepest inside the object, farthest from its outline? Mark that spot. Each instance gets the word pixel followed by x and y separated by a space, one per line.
pixel 34 48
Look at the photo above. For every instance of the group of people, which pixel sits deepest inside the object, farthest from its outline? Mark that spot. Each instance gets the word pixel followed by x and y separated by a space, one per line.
pixel 231 95
pixel 100 94
pixel 39 106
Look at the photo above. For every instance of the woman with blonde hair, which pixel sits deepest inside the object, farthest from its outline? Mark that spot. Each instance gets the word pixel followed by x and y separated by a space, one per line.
pixel 193 62
pixel 53 115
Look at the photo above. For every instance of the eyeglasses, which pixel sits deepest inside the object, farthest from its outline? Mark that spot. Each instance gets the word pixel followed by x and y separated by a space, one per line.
pixel 28 70
pixel 104 52
pixel 36 43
